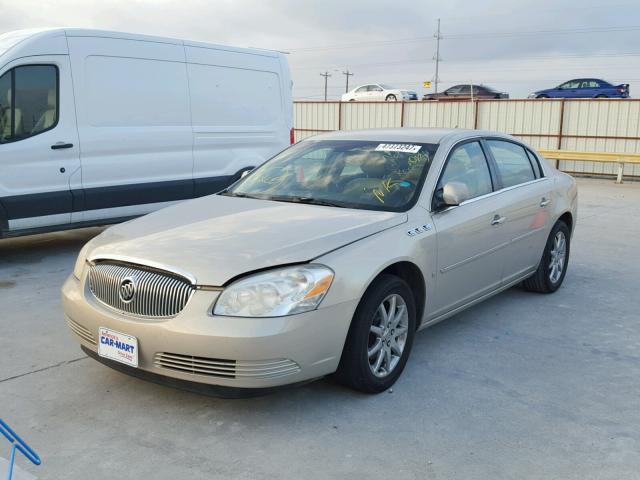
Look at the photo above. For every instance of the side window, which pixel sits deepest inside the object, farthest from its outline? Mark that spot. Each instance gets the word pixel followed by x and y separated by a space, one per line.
pixel 512 161
pixel 362 89
pixel 375 88
pixel 465 89
pixel 537 169
pixel 6 103
pixel 468 165
pixel 28 101
pixel 454 89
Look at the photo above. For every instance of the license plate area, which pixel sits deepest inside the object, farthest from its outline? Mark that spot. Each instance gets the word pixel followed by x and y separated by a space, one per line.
pixel 118 346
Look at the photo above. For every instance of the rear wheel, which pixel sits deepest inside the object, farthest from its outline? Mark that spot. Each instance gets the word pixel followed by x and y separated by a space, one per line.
pixel 391 98
pixel 601 96
pixel 380 337
pixel 555 259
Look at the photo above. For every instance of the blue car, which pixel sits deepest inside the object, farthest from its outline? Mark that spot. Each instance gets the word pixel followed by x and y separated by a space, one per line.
pixel 584 88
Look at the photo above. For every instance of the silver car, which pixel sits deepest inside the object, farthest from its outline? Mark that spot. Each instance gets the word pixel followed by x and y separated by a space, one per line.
pixel 324 260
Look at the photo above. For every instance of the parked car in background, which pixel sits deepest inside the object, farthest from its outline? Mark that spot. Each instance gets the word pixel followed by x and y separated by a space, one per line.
pixel 97 127
pixel 584 88
pixel 327 258
pixel 465 92
pixel 376 92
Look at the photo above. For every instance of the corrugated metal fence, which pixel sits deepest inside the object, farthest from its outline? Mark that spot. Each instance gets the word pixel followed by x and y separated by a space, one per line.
pixel 594 125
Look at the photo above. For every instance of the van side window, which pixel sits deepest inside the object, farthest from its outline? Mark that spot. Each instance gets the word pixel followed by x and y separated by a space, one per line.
pixel 28 101
pixel 513 163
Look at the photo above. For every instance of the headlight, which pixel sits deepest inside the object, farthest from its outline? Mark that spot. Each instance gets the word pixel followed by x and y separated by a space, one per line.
pixel 532 95
pixel 276 293
pixel 80 262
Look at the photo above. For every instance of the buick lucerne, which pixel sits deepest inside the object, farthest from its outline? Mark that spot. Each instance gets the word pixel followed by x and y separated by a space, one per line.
pixel 324 260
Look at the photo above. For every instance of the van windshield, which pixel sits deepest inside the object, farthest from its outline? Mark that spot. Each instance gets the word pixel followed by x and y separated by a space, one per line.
pixel 370 175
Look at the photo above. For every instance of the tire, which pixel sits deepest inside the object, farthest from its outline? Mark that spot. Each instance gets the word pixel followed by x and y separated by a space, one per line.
pixel 542 96
pixel 391 98
pixel 356 369
pixel 352 99
pixel 601 96
pixel 544 280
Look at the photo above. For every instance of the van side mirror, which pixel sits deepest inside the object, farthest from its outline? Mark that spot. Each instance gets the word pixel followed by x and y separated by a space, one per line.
pixel 451 195
pixel 246 172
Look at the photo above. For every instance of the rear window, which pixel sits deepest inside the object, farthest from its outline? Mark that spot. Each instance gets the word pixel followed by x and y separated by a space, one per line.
pixel 512 161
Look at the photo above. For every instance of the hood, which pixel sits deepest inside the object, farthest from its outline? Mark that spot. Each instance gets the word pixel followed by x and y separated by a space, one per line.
pixel 217 238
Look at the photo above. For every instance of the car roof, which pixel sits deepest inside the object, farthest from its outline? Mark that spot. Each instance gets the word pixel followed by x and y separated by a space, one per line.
pixel 418 135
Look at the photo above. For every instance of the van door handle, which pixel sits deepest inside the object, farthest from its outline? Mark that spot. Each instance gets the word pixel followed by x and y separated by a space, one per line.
pixel 61 145
pixel 498 220
pixel 544 202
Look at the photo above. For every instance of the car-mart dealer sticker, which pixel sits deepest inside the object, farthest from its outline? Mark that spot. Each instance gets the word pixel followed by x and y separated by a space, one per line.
pixel 118 346
pixel 398 147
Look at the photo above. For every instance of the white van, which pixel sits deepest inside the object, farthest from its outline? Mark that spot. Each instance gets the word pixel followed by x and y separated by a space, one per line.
pixel 97 127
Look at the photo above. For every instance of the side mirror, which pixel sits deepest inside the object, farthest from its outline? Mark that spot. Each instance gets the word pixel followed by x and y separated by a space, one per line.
pixel 246 172
pixel 451 195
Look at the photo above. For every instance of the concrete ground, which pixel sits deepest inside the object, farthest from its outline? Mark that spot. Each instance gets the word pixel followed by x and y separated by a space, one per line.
pixel 522 386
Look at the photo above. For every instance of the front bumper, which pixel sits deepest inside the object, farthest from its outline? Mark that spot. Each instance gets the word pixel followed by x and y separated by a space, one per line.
pixel 234 352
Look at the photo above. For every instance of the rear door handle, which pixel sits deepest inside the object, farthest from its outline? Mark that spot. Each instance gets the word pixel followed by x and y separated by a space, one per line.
pixel 61 145
pixel 544 202
pixel 498 220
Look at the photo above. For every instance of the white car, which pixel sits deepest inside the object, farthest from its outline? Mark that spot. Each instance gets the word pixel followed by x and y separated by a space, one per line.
pixel 375 92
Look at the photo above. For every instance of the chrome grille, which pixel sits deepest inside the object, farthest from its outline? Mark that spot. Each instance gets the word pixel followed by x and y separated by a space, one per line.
pixel 155 293
pixel 82 332
pixel 226 368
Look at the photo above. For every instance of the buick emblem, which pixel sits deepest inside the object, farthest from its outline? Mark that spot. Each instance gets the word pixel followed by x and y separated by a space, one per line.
pixel 127 290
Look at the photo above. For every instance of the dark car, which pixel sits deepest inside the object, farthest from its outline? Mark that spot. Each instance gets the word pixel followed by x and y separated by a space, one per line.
pixel 465 92
pixel 584 88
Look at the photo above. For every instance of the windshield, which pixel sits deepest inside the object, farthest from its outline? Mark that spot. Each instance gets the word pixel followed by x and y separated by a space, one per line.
pixel 342 173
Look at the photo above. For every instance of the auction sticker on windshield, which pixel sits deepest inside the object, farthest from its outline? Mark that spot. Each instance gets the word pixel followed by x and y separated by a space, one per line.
pixel 398 147
pixel 118 346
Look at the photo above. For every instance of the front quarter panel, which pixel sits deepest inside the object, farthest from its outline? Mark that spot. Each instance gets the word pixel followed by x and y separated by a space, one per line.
pixel 357 265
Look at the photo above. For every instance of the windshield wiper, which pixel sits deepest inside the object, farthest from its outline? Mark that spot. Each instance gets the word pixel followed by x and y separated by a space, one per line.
pixel 307 200
pixel 227 193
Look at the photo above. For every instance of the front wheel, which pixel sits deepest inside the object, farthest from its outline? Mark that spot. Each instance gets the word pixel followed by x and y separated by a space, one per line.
pixel 380 336
pixel 555 259
pixel 391 98
pixel 601 96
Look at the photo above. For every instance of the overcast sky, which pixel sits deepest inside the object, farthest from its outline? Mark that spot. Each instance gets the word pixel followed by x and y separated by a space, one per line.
pixel 514 46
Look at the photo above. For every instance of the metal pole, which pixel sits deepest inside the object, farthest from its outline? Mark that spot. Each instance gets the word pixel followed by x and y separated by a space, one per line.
pixel 437 57
pixel 326 76
pixel 347 74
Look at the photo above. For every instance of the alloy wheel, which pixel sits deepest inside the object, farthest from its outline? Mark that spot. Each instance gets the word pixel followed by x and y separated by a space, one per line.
pixel 388 335
pixel 558 255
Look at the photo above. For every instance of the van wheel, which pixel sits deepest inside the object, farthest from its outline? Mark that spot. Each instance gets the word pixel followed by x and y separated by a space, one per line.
pixel 601 96
pixel 555 259
pixel 380 337
pixel 391 98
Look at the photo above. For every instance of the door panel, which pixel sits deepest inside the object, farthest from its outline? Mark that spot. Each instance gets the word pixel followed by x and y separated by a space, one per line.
pixel 470 252
pixel 527 223
pixel 36 179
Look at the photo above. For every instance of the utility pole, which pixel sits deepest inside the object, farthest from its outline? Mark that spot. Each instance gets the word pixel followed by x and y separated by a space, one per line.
pixel 326 76
pixel 437 56
pixel 347 74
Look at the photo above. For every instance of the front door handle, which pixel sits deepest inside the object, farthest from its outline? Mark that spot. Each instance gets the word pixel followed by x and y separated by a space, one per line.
pixel 544 202
pixel 61 145
pixel 498 220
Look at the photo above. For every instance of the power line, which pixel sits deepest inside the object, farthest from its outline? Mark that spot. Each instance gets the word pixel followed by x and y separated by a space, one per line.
pixel 326 76
pixel 476 35
pixel 347 74
pixel 437 57
pixel 472 59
